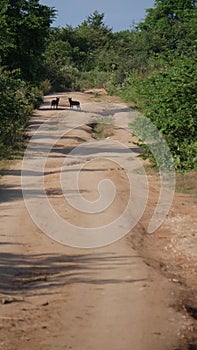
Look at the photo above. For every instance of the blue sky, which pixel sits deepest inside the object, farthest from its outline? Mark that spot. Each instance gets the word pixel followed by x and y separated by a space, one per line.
pixel 119 15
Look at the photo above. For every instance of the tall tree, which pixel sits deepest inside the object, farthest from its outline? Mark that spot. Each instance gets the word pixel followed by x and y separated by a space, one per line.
pixel 6 41
pixel 27 23
pixel 170 22
pixel 93 34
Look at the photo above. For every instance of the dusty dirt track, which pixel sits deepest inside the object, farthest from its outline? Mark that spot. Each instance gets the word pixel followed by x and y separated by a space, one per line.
pixel 127 295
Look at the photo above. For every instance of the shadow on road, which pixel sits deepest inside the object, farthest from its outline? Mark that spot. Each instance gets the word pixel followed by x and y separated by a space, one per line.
pixel 40 274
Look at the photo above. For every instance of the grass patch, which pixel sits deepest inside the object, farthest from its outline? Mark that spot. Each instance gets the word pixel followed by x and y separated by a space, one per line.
pixel 10 156
pixel 5 165
pixel 102 131
pixel 96 96
pixel 103 128
pixel 187 183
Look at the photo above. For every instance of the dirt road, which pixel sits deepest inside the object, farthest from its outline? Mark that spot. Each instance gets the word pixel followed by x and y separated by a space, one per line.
pixel 59 297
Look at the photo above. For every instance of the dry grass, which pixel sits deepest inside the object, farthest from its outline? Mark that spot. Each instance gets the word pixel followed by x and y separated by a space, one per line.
pixel 103 130
pixel 187 183
pixel 6 165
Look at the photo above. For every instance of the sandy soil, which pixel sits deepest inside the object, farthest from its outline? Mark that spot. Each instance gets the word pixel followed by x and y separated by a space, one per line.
pixel 137 293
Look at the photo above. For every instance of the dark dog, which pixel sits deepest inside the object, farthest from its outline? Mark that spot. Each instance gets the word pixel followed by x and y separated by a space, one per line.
pixel 55 103
pixel 74 103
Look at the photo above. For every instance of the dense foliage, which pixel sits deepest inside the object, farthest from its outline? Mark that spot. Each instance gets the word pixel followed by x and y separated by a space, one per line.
pixel 17 100
pixel 169 99
pixel 152 64
pixel 167 92
pixel 24 29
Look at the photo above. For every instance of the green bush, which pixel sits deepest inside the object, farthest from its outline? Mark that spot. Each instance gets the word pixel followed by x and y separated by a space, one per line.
pixel 45 86
pixel 17 100
pixel 168 99
pixel 91 79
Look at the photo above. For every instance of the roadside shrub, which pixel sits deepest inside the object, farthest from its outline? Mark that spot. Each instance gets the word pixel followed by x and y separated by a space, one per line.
pixel 45 86
pixel 91 79
pixel 168 99
pixel 17 100
pixel 34 97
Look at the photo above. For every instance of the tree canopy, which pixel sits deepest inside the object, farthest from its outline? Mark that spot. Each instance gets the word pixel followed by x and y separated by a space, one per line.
pixel 24 27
